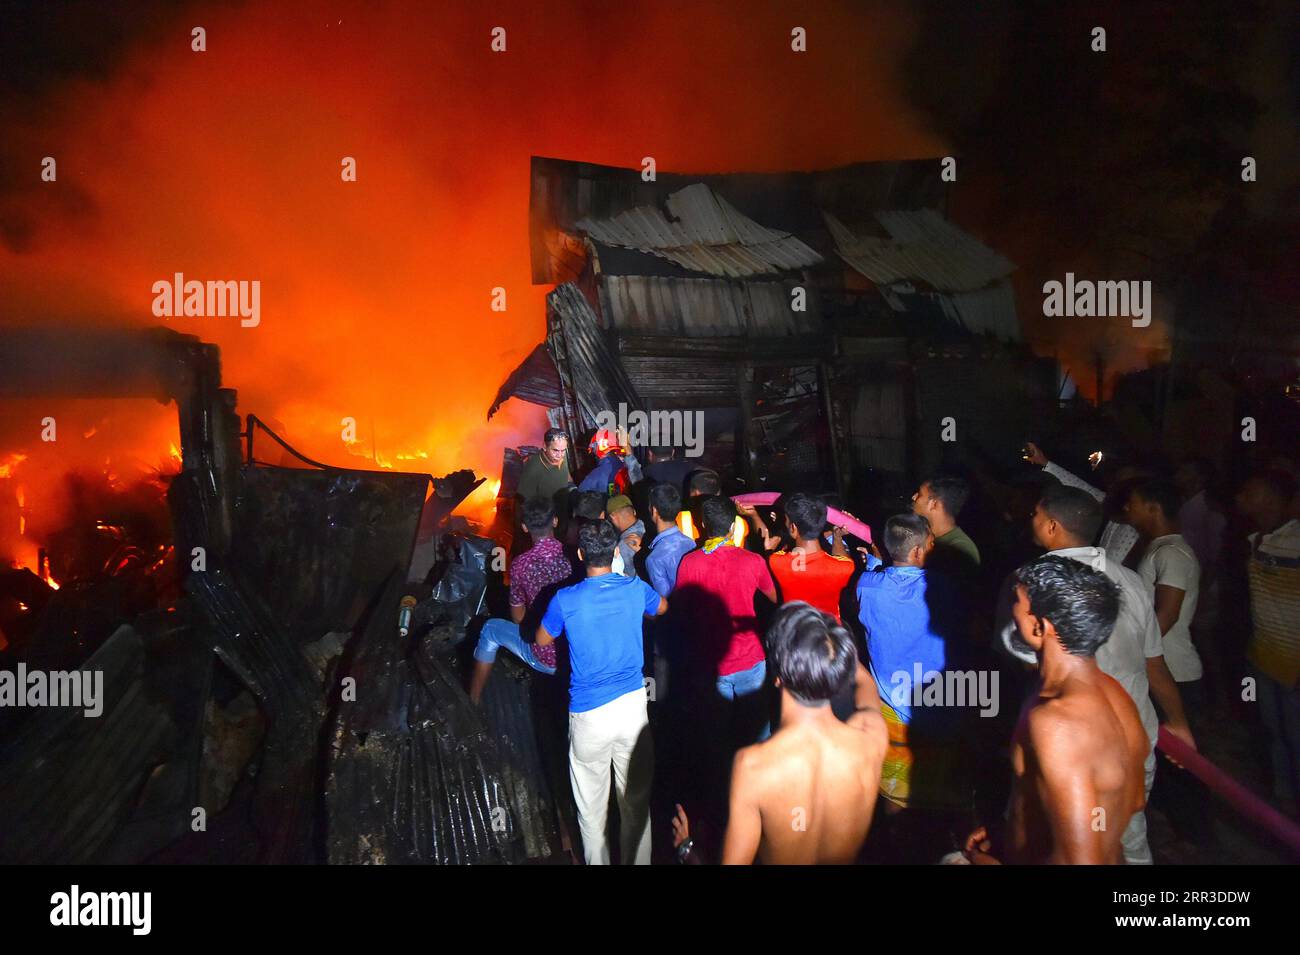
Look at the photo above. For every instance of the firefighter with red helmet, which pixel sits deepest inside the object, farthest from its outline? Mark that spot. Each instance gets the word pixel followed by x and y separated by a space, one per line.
pixel 617 468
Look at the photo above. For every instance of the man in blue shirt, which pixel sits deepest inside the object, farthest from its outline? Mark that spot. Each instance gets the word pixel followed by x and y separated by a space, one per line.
pixel 910 618
pixel 667 549
pixel 608 723
pixel 669 545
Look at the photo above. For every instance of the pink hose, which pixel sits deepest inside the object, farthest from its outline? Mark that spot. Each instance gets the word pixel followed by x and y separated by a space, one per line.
pixel 1220 783
pixel 1234 793
pixel 836 517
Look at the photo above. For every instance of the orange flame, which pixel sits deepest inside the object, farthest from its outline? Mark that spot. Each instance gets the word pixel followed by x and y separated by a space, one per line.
pixel 376 294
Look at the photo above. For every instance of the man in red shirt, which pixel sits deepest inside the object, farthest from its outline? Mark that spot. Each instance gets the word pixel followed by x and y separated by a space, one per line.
pixel 713 605
pixel 806 572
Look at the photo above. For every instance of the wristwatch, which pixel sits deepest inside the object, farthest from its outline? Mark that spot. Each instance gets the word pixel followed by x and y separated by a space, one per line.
pixel 684 850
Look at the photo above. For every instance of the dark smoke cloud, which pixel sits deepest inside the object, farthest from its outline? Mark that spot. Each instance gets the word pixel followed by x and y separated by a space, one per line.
pixel 47 48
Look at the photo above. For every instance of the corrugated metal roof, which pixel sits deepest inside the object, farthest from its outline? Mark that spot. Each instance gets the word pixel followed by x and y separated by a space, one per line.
pixel 922 245
pixel 700 308
pixel 705 234
pixel 586 367
pixel 684 379
pixel 535 381
pixel 987 311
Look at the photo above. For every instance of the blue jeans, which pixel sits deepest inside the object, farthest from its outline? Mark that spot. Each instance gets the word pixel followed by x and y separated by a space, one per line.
pixel 504 634
pixel 743 690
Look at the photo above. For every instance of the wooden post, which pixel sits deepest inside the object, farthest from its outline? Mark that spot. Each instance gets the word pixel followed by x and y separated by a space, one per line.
pixel 745 390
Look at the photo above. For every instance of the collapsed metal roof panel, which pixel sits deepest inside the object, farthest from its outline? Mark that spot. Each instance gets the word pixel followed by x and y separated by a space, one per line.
pixel 922 245
pixel 705 234
pixel 586 367
pixel 989 311
pixel 535 380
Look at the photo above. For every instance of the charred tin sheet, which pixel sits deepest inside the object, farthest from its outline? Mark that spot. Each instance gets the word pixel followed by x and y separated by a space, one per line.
pixel 701 231
pixel 921 245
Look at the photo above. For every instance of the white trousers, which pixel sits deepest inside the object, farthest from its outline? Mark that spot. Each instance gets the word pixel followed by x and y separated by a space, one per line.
pixel 617 733
pixel 1137 851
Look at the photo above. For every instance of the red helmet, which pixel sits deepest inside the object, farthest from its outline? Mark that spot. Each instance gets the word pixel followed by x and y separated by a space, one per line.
pixel 603 442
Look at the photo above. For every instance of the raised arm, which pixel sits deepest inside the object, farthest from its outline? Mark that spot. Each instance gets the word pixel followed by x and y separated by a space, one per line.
pixel 838 547
pixel 756 523
pixel 1036 456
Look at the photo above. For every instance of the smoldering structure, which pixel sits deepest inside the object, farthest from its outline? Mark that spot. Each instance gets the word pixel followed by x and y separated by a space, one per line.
pixel 260 703
pixel 820 324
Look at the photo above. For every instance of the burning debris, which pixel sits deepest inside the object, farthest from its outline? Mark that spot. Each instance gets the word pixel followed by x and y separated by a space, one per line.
pixel 237 679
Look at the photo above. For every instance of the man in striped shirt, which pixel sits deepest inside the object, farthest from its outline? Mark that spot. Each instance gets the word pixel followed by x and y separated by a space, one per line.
pixel 1266 500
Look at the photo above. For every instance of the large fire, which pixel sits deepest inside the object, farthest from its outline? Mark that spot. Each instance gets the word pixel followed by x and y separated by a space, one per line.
pixel 377 294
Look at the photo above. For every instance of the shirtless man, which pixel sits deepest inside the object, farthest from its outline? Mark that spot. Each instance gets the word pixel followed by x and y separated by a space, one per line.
pixel 1079 746
pixel 806 795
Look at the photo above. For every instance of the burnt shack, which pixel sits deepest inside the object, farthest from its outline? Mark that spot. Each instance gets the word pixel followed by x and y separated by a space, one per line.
pixel 823 324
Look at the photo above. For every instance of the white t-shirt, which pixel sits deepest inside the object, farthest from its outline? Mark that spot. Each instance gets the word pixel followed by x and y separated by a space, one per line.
pixel 1117 539
pixel 1170 561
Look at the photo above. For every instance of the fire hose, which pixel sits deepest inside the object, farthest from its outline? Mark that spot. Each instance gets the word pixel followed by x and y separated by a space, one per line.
pixel 1229 790
pixel 836 517
pixel 1241 799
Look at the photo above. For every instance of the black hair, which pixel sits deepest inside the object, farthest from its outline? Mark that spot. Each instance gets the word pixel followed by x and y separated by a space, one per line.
pixel 598 540
pixel 812 653
pixel 1161 492
pixel 537 515
pixel 705 481
pixel 1074 509
pixel 552 434
pixel 1081 603
pixel 667 500
pixel 1204 468
pixel 952 493
pixel 807 513
pixel 1276 482
pixel 663 452
pixel 717 514
pixel 589 505
pixel 904 532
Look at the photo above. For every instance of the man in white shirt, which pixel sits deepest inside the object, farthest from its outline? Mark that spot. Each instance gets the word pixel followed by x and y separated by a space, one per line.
pixel 1064 521
pixel 1202 524
pixel 1171 570
pixel 1117 537
pixel 1169 567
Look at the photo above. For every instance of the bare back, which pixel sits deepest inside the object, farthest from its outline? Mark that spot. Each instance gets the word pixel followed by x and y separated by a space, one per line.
pixel 806 795
pixel 1078 759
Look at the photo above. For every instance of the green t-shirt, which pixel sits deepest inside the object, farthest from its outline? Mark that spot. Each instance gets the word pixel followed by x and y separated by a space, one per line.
pixel 539 479
pixel 959 541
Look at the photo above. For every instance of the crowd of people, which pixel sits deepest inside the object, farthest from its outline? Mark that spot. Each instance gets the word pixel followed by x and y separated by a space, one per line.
pixel 757 683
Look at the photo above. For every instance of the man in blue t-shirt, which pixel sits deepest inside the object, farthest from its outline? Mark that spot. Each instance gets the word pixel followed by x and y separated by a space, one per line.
pixel 911 618
pixel 608 723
